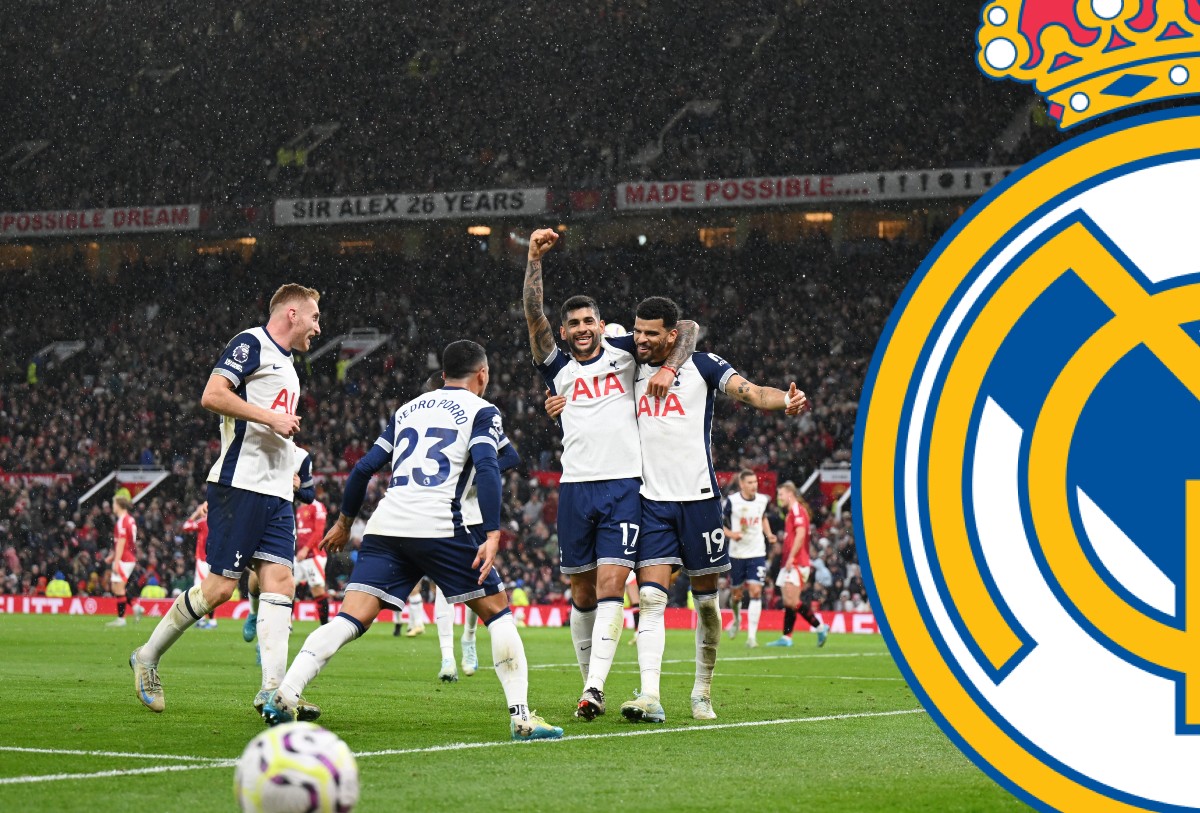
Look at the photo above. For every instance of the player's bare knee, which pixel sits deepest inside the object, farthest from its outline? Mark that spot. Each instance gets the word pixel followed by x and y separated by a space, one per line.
pixel 583 589
pixel 610 582
pixel 488 606
pixel 217 589
pixel 706 583
pixel 755 591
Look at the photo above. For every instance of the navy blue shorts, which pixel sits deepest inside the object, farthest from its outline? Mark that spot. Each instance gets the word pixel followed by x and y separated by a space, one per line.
pixel 389 567
pixel 245 525
pixel 691 534
pixel 599 524
pixel 752 570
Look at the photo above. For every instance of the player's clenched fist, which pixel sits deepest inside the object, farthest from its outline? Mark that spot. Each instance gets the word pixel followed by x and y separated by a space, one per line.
pixel 540 242
pixel 284 424
pixel 796 401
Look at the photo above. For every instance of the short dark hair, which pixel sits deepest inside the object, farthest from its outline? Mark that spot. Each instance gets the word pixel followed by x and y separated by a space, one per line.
pixel 659 307
pixel 744 473
pixel 575 303
pixel 434 382
pixel 462 359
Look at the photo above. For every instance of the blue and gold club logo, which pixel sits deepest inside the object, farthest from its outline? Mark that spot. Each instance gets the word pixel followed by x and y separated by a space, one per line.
pixel 1028 445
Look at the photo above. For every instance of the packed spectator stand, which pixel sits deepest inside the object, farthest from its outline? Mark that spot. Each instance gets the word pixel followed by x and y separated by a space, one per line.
pixel 113 107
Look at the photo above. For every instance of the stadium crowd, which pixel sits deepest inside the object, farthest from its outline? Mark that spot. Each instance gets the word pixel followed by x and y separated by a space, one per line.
pixel 153 333
pixel 138 112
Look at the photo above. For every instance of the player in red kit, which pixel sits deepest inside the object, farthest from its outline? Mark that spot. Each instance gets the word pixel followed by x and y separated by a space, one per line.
pixel 197 524
pixel 310 559
pixel 795 567
pixel 123 558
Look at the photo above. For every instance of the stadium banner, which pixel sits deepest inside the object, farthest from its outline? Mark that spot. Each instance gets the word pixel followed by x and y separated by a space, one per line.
pixel 18 225
pixel 535 615
pixel 427 206
pixel 787 190
pixel 31 479
pixel 834 482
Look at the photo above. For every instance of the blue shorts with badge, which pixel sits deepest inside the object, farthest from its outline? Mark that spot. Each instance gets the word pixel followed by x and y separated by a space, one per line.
pixel 752 570
pixel 245 525
pixel 599 523
pixel 690 534
pixel 389 567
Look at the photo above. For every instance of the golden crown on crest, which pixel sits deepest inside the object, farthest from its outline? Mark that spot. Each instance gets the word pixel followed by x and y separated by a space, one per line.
pixel 1091 57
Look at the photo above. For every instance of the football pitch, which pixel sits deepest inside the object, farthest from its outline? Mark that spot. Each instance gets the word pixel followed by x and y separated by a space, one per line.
pixel 834 729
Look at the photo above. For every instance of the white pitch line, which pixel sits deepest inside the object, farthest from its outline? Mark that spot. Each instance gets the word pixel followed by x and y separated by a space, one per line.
pixel 463 746
pixel 58 777
pixel 756 677
pixel 115 754
pixel 733 658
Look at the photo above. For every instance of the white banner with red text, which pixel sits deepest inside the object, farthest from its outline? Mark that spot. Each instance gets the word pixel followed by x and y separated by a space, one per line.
pixel 425 206
pixel 790 190
pixel 536 615
pixel 18 225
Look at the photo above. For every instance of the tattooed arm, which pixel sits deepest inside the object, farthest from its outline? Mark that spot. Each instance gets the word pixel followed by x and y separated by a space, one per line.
pixel 541 336
pixel 685 345
pixel 792 402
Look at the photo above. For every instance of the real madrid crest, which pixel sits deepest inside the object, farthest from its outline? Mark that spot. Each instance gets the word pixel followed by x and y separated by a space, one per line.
pixel 1028 444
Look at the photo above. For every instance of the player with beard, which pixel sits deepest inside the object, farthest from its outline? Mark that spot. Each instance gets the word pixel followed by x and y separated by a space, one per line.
pixel 599 510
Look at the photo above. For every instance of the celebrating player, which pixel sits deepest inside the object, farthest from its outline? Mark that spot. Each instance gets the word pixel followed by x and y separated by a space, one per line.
pixel 435 446
pixel 748 531
pixel 795 567
pixel 681 509
pixel 254 388
pixel 599 511
pixel 123 558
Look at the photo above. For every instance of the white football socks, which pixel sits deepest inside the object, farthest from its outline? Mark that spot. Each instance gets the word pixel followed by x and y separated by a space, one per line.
pixel 651 637
pixel 753 614
pixel 508 656
pixel 470 624
pixel 188 608
pixel 274 629
pixel 708 636
pixel 318 648
pixel 416 611
pixel 582 624
pixel 610 618
pixel 443 616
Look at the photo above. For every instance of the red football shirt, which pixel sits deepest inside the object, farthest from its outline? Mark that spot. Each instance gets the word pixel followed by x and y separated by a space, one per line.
pixel 310 527
pixel 200 528
pixel 795 533
pixel 126 529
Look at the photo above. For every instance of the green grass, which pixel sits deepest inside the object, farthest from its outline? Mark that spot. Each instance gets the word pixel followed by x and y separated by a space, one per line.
pixel 67 685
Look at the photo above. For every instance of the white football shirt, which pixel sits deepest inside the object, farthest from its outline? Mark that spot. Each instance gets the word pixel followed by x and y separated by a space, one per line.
pixel 600 435
pixel 253 457
pixel 430 440
pixel 675 431
pixel 746 516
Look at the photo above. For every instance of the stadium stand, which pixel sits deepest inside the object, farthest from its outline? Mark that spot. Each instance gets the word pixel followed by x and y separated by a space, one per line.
pixel 449 96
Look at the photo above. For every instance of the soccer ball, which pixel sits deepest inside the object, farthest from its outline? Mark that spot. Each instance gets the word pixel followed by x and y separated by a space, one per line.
pixel 296 768
pixel 613 329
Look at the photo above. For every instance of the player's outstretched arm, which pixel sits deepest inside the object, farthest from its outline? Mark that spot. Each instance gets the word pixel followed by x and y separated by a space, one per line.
pixel 220 398
pixel 685 344
pixel 541 336
pixel 793 402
